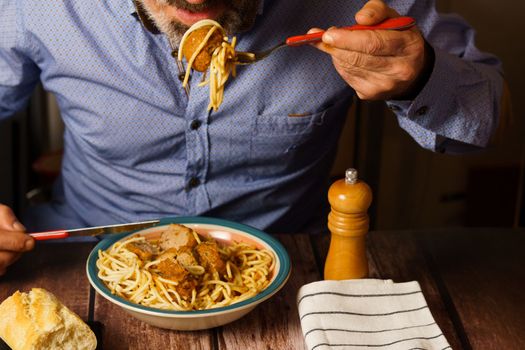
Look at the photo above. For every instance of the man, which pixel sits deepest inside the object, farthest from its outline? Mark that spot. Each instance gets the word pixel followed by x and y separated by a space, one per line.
pixel 138 147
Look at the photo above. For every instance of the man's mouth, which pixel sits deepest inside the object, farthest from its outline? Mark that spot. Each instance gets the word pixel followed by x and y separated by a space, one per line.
pixel 188 18
pixel 189 13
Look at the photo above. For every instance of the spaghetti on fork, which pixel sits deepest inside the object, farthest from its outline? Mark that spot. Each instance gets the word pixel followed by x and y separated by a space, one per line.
pixel 206 48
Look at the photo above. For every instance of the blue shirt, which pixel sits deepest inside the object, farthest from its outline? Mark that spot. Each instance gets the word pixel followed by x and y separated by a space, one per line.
pixel 136 147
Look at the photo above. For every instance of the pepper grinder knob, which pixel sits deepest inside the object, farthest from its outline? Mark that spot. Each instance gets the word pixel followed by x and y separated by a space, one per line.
pixel 348 223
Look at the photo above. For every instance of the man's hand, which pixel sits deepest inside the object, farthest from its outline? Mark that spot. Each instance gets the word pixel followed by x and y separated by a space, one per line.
pixel 377 64
pixel 13 240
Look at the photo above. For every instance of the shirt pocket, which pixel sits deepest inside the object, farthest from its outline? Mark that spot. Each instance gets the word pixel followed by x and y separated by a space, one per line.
pixel 282 144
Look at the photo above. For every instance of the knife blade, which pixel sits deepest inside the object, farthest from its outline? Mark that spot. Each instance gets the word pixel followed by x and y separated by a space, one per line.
pixel 93 231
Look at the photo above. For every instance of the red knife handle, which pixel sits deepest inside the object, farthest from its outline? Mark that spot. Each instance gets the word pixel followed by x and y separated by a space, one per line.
pixel 44 236
pixel 399 23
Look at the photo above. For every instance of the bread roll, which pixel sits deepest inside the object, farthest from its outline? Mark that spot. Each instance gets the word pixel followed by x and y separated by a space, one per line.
pixel 38 320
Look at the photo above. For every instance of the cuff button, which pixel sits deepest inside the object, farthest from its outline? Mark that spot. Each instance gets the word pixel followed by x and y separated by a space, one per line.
pixel 422 111
pixel 394 108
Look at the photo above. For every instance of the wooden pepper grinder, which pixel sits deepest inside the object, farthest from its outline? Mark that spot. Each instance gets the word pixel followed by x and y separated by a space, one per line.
pixel 348 223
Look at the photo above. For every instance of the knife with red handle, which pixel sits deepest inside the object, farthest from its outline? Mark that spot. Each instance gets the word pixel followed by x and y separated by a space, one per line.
pixel 93 231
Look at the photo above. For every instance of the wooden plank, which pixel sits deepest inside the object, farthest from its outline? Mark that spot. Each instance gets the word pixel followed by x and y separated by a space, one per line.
pixel 122 331
pixel 275 323
pixel 399 257
pixel 56 267
pixel 483 270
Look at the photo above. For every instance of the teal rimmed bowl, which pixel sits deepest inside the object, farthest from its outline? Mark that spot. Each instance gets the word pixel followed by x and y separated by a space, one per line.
pixel 221 230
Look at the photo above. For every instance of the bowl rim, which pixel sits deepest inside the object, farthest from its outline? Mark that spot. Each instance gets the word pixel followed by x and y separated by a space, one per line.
pixel 278 282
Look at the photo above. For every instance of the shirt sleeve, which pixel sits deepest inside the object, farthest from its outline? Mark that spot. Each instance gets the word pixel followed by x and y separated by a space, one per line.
pixel 457 110
pixel 18 73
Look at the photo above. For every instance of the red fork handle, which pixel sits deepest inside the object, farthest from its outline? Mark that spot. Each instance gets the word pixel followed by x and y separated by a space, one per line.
pixel 399 23
pixel 44 236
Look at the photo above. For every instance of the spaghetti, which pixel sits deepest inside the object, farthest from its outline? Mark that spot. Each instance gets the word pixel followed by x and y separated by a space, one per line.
pixel 247 271
pixel 221 64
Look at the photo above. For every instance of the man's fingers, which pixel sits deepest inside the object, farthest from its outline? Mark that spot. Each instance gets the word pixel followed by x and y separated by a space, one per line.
pixel 6 259
pixel 16 241
pixel 374 12
pixel 12 243
pixel 371 42
pixel 314 30
pixel 8 220
pixel 352 61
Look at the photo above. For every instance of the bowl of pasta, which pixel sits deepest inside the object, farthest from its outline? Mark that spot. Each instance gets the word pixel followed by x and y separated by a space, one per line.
pixel 189 273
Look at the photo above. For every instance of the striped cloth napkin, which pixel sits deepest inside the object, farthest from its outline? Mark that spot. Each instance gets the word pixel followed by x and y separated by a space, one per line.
pixel 367 313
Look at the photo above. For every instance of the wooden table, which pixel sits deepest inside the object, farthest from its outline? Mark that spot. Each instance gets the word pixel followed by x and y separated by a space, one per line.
pixel 473 280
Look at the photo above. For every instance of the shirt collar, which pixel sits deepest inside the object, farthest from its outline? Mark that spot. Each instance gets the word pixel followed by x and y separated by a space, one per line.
pixel 137 11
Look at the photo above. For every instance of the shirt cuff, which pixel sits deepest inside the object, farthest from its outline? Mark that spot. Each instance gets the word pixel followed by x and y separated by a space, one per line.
pixel 436 110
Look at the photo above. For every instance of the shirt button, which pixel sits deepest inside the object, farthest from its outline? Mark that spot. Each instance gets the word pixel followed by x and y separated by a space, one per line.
pixel 195 124
pixel 194 182
pixel 422 111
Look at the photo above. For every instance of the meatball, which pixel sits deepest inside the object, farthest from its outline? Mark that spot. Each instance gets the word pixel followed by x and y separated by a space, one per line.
pixel 194 39
pixel 185 257
pixel 177 236
pixel 209 257
pixel 171 253
pixel 144 250
pixel 172 270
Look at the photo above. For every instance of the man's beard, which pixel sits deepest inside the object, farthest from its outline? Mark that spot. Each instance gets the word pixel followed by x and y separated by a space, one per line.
pixel 238 16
